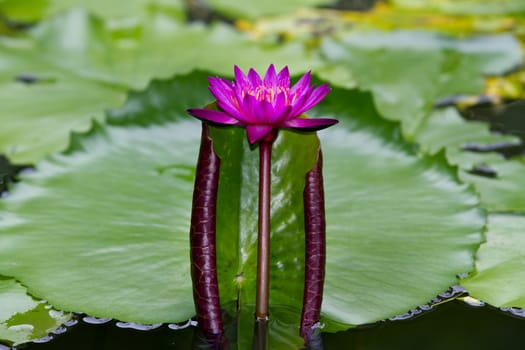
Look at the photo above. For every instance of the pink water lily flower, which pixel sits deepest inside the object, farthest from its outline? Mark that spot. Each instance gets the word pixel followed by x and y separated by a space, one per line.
pixel 263 105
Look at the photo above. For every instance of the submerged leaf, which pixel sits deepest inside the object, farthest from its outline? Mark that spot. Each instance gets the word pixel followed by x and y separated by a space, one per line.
pixel 500 265
pixel 22 318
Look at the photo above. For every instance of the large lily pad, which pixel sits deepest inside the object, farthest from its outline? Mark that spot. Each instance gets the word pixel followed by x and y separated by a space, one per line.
pixel 122 248
pixel 446 130
pixel 23 318
pixel 251 9
pixel 34 10
pixel 388 211
pixel 103 228
pixel 498 181
pixel 29 131
pixel 83 66
pixel 466 7
pixel 500 266
pixel 408 71
pixel 504 191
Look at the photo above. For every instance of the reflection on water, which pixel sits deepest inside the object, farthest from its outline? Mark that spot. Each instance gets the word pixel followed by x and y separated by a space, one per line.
pixel 450 325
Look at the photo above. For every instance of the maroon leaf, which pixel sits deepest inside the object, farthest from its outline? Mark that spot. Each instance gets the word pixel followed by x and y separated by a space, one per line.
pixel 202 241
pixel 315 249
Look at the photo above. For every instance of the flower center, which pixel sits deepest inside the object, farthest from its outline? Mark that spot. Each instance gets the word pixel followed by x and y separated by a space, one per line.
pixel 268 94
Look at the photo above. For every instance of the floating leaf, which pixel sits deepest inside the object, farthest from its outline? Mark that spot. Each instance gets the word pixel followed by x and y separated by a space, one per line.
pixel 251 9
pixel 79 66
pixel 34 10
pixel 500 266
pixel 22 318
pixel 504 191
pixel 399 227
pixel 293 156
pixel 466 7
pixel 120 248
pixel 31 130
pixel 445 129
pixel 408 71
pixel 103 228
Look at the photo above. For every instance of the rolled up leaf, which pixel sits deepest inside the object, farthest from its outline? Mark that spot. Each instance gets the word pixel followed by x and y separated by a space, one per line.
pixel 202 241
pixel 315 248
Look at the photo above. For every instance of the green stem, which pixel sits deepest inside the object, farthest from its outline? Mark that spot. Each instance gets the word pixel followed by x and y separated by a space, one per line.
pixel 263 251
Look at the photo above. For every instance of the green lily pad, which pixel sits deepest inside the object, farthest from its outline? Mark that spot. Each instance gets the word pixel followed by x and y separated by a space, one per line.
pixel 466 7
pixel 115 250
pixel 82 66
pixel 282 331
pixel 34 10
pixel 399 227
pixel 505 191
pixel 22 318
pixel 29 131
pixel 500 278
pixel 252 9
pixel 446 130
pixel 103 228
pixel 159 47
pixel 408 71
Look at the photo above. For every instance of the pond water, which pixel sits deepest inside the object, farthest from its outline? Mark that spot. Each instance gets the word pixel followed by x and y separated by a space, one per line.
pixel 451 325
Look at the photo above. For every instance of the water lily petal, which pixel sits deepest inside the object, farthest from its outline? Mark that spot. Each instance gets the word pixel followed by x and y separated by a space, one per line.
pixel 223 88
pixel 309 124
pixel 241 80
pixel 233 112
pixel 301 85
pixel 257 132
pixel 264 111
pixel 299 102
pixel 213 116
pixel 314 98
pixel 254 78
pixel 223 91
pixel 283 78
pixel 252 106
pixel 264 104
pixel 280 109
pixel 270 79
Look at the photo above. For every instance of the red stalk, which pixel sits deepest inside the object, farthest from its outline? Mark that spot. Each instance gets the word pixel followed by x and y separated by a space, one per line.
pixel 263 246
pixel 315 235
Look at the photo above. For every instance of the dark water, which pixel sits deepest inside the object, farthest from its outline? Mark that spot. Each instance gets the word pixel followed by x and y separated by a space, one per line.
pixel 9 172
pixel 451 325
